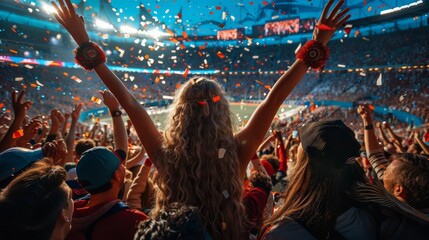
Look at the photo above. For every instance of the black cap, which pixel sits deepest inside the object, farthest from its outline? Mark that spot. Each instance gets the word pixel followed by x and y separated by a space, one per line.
pixel 329 142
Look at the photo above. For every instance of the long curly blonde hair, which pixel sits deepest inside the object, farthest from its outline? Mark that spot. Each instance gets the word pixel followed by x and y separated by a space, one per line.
pixel 192 169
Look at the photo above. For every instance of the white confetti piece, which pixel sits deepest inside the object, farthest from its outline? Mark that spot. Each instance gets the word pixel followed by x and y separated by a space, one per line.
pixel 297 49
pixel 379 80
pixel 221 152
pixel 341 65
pixel 225 194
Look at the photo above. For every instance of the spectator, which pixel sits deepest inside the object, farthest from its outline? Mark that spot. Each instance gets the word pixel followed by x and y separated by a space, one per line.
pixel 102 215
pixel 37 204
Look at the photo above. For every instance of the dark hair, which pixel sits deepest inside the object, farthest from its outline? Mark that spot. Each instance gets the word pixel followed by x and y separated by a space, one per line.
pixel 31 203
pixel 82 145
pixel 174 222
pixel 413 175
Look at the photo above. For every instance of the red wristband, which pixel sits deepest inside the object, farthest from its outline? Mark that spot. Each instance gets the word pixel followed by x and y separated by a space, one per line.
pixel 89 55
pixel 314 54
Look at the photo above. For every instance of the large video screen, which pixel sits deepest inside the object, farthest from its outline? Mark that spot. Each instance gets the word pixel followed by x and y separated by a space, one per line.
pixel 282 27
pixel 230 34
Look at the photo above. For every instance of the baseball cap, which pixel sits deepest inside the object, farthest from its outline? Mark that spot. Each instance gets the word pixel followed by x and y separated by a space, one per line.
pixel 96 167
pixel 329 141
pixel 15 159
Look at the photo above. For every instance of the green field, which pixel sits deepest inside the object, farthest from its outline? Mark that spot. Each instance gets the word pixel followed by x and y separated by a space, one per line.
pixel 242 113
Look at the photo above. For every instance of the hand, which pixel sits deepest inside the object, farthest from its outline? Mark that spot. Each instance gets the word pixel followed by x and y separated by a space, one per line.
pixel 333 21
pixel 365 113
pixel 110 100
pixel 30 130
pixel 416 135
pixel 76 112
pixel 57 118
pixel 57 150
pixel 66 116
pixel 72 22
pixel 19 107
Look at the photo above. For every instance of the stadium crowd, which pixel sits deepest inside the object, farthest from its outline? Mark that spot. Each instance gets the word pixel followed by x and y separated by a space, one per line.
pixel 310 176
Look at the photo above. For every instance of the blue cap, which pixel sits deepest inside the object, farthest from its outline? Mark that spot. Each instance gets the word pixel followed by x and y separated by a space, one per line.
pixel 15 159
pixel 96 167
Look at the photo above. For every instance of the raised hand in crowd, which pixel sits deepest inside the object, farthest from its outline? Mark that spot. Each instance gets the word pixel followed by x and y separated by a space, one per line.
pixel 30 131
pixel 71 137
pixel 57 119
pixel 20 107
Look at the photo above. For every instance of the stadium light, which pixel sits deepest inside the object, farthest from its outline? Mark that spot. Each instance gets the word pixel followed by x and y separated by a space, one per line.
pixel 102 24
pixel 48 8
pixel 156 33
pixel 128 29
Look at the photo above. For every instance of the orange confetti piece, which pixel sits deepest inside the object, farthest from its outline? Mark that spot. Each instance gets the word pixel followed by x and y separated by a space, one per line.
pixel 18 133
pixel 1 105
pixel 371 107
pixel 178 85
pixel 33 85
pixel 220 55
pixel 76 98
pixel 218 7
pixel 96 100
pixel 13 51
pixel 157 80
pixel 185 35
pixel 65 74
pixel 216 99
pixel 185 74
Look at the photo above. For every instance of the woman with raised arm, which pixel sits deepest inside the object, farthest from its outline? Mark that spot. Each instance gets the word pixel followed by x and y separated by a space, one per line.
pixel 201 162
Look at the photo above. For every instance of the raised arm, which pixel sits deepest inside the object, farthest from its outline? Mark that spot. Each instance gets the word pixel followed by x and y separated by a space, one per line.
pixel 19 108
pixel 374 150
pixel 253 133
pixel 418 140
pixel 119 132
pixel 72 132
pixel 145 128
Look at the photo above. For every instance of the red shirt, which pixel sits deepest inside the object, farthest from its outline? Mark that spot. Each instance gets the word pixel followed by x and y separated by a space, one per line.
pixel 122 224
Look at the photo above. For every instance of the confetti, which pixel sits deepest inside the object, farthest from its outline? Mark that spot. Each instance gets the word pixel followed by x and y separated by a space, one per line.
pixel 33 85
pixel 362 74
pixel 185 74
pixel 39 83
pixel 216 99
pixel 167 97
pixel 76 79
pixel 401 98
pixel 28 66
pixel 1 105
pixel 18 133
pixel 18 79
pixel 379 80
pixel 341 65
pixel 348 28
pixel 96 100
pixel 225 194
pixel 220 55
pixel 297 49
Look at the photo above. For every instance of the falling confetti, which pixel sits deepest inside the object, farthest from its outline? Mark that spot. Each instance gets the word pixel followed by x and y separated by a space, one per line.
pixel 221 153
pixel 96 100
pixel 379 80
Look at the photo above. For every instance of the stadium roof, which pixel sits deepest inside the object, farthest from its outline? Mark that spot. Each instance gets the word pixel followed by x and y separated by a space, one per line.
pixel 206 17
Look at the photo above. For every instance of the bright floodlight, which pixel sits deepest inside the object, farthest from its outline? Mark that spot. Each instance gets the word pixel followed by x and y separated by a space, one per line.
pixel 102 24
pixel 48 8
pixel 128 29
pixel 156 33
